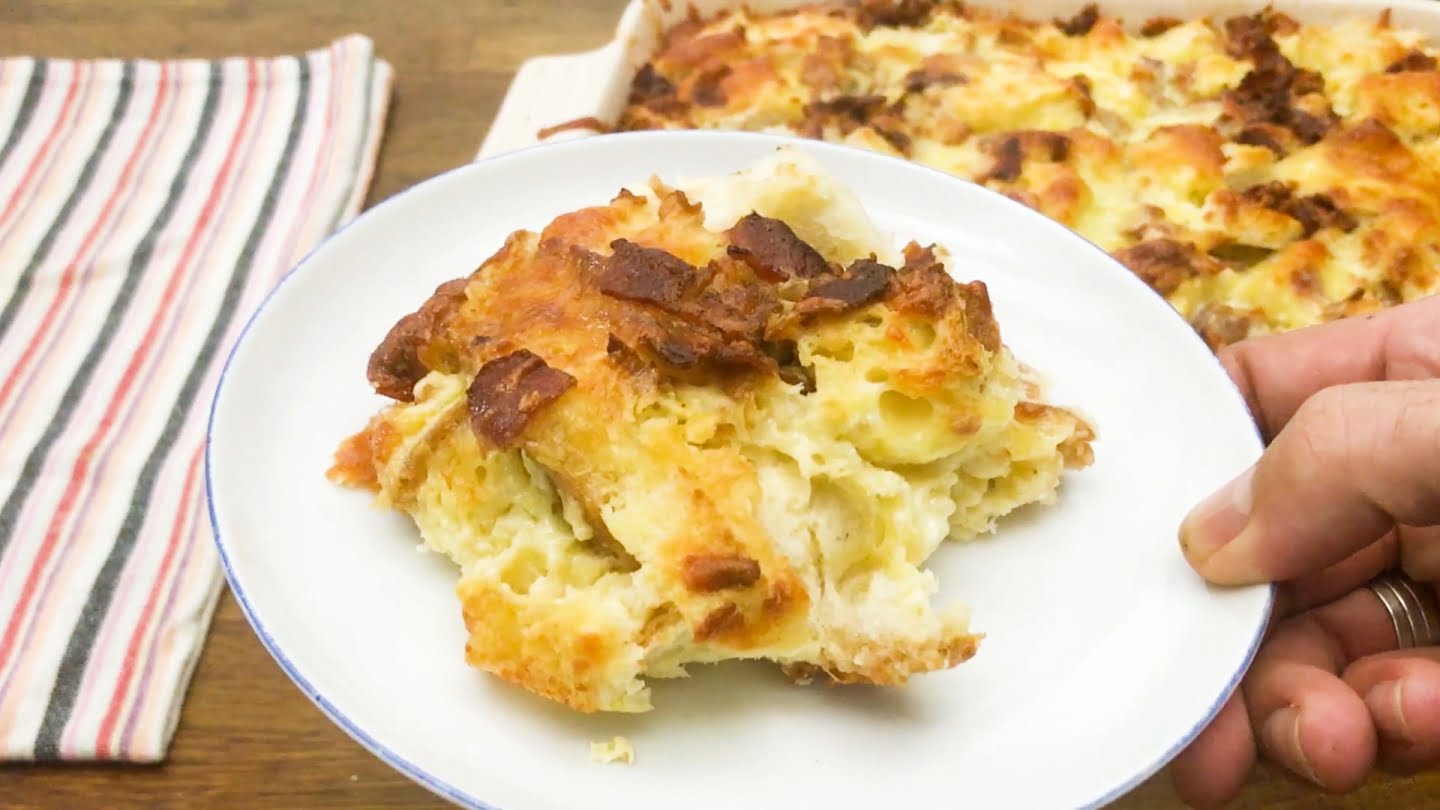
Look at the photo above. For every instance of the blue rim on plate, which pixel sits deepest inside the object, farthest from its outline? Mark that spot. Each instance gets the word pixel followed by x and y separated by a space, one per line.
pixel 442 788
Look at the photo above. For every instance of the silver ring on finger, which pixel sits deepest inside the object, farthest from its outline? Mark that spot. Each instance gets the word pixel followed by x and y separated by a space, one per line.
pixel 1413 610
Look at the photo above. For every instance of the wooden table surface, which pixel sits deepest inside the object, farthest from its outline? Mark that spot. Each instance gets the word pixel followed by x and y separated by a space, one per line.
pixel 247 737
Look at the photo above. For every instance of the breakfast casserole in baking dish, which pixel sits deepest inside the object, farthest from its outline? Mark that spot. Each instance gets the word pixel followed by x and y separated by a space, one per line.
pixel 1259 173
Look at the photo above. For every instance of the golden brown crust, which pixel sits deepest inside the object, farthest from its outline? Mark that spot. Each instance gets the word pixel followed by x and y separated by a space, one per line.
pixel 538 652
pixel 1125 137
pixel 354 463
pixel 358 459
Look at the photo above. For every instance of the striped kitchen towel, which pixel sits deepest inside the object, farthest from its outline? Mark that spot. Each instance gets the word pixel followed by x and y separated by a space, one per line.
pixel 146 207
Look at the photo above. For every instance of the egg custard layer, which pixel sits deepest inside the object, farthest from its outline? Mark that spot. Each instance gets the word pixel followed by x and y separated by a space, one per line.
pixel 724 422
pixel 1262 174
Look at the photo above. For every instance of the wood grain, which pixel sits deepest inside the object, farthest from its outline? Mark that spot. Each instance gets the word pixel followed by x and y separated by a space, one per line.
pixel 247 737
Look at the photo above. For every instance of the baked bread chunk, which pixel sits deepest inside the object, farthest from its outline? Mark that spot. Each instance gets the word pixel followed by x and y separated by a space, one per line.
pixel 1262 174
pixel 729 421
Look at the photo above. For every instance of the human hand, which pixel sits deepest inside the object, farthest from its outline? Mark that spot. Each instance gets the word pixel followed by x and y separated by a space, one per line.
pixel 1348 488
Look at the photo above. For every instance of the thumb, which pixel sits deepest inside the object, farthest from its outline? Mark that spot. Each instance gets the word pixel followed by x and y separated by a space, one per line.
pixel 1353 461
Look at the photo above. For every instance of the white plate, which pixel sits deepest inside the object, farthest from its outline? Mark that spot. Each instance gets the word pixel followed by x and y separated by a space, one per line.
pixel 1104 654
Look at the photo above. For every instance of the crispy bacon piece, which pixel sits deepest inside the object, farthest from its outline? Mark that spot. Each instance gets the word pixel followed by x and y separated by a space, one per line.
pixel 1413 61
pixel 1221 325
pixel 1267 135
pixel 1155 26
pixel 1008 159
pixel 847 112
pixel 508 391
pixel 1165 264
pixel 1013 148
pixel 639 273
pixel 739 312
pixel 697 318
pixel 922 286
pixel 935 70
pixel 649 86
pixel 1248 37
pixel 773 250
pixel 720 621
pixel 1314 211
pixel 396 364
pixel 1268 97
pixel 865 281
pixel 893 13
pixel 708 90
pixel 703 573
pixel 1081 23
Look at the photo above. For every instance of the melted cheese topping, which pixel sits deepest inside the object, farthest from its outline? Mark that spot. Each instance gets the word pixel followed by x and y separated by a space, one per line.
pixel 1181 147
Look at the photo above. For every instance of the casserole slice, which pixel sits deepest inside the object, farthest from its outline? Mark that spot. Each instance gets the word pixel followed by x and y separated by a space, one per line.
pixel 727 420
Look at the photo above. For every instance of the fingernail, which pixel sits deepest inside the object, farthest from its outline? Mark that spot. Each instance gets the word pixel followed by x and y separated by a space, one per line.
pixel 1217 520
pixel 1281 734
pixel 1386 702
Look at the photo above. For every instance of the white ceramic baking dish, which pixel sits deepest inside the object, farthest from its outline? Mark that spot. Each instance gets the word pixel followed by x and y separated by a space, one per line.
pixel 550 90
